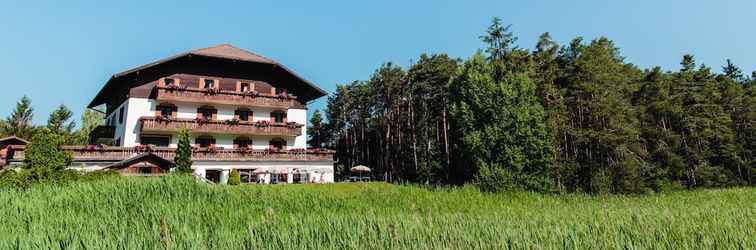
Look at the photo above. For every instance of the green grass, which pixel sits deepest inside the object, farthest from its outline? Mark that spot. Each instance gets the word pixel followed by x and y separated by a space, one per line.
pixel 177 213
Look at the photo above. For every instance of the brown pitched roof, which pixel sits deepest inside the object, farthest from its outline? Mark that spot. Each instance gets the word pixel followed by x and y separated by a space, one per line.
pixel 223 51
pixel 148 157
pixel 13 140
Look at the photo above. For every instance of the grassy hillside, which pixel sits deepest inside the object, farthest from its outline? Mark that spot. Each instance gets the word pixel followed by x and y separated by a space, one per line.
pixel 133 213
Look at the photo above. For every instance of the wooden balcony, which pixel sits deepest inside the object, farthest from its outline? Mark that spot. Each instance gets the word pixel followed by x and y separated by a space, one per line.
pixel 108 154
pixel 153 124
pixel 226 97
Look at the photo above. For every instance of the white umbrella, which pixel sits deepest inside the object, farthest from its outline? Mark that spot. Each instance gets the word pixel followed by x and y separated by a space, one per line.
pixel 360 169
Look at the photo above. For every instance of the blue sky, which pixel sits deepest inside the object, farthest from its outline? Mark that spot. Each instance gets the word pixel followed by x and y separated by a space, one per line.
pixel 62 52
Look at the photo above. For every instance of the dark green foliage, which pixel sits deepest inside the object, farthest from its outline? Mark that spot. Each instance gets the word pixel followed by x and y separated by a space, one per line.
pixel 183 158
pixel 501 125
pixel 44 157
pixel 574 118
pixel 234 178
pixel 90 119
pixel 60 120
pixel 316 130
pixel 19 123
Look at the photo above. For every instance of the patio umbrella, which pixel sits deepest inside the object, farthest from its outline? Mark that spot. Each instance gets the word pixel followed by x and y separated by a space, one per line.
pixel 360 169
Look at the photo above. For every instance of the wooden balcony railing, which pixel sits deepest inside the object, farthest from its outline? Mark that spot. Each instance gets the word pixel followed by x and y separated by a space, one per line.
pixel 154 124
pixel 225 97
pixel 85 153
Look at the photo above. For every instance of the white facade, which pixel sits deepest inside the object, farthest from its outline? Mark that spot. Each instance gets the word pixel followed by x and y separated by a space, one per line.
pixel 128 134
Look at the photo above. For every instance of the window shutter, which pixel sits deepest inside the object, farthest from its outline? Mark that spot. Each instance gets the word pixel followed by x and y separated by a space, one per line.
pixel 174 112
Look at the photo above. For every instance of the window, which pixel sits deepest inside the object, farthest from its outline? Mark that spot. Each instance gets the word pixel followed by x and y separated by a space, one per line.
pixel 243 115
pixel 300 177
pixel 204 142
pixel 277 117
pixel 280 91
pixel 207 114
pixel 277 144
pixel 145 170
pixel 213 175
pixel 279 178
pixel 160 141
pixel 209 83
pixel 169 81
pixel 166 111
pixel 245 87
pixel 248 176
pixel 118 142
pixel 243 142
pixel 120 115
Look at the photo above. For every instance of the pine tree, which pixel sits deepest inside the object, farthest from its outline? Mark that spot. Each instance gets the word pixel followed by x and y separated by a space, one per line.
pixel 500 40
pixel 19 123
pixel 316 130
pixel 183 158
pixel 604 135
pixel 60 121
pixel 733 72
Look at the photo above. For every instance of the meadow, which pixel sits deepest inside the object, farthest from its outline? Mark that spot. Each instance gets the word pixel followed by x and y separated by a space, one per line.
pixel 178 213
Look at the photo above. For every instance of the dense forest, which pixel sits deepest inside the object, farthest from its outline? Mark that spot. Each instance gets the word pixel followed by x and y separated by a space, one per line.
pixel 564 118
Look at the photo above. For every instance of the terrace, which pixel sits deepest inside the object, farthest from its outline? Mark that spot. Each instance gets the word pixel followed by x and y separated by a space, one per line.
pixel 162 124
pixel 226 97
pixel 105 153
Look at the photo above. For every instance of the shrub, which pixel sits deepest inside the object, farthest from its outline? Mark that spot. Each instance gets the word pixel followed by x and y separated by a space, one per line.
pixel 16 179
pixel 44 156
pixel 234 178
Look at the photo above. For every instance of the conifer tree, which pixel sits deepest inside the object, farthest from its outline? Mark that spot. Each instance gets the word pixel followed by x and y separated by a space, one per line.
pixel 60 122
pixel 183 158
pixel 316 130
pixel 19 123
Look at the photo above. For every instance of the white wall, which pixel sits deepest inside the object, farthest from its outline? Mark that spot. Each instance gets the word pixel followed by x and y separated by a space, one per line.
pixel 201 167
pixel 136 108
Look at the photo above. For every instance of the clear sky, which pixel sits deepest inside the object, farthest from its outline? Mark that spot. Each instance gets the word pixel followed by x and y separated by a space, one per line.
pixel 64 51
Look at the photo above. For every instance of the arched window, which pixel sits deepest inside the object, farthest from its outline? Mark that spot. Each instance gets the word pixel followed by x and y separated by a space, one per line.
pixel 204 141
pixel 242 142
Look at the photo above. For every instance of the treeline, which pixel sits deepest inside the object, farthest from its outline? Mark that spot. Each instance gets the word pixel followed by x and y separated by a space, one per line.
pixel 60 122
pixel 565 118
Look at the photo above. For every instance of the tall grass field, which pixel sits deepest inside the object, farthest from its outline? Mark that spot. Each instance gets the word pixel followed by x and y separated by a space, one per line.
pixel 178 213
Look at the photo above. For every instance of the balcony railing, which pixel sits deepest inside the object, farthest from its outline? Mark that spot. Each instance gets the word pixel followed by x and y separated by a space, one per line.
pixel 225 97
pixel 155 124
pixel 85 153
